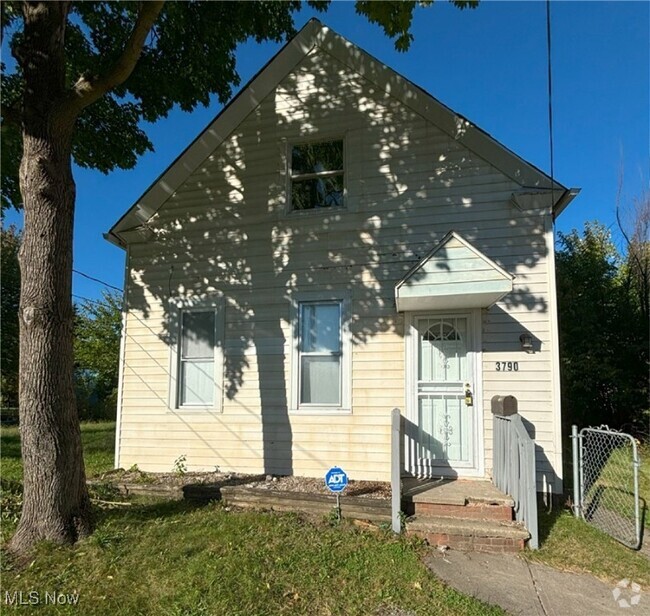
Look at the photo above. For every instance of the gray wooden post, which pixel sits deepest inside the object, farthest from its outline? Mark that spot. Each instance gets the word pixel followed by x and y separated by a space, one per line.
pixel 395 471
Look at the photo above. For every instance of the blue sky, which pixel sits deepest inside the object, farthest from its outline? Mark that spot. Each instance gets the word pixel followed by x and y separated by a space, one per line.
pixel 489 65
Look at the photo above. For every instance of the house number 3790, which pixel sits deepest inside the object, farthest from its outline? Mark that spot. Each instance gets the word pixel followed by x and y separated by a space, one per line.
pixel 507 366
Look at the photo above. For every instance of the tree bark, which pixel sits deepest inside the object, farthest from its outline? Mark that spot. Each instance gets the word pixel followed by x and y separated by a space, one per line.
pixel 56 505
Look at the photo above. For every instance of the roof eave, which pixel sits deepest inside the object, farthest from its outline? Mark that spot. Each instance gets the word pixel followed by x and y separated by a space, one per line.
pixel 562 203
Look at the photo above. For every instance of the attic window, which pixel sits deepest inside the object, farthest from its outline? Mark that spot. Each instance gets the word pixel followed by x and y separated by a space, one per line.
pixel 317 175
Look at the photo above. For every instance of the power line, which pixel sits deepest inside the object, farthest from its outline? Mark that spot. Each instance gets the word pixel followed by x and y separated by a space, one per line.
pixel 550 94
pixel 87 299
pixel 106 284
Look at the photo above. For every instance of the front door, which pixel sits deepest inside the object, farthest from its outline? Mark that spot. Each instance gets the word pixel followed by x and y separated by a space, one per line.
pixel 444 389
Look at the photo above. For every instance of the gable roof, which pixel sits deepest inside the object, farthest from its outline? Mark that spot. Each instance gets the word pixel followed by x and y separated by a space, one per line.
pixel 455 275
pixel 315 34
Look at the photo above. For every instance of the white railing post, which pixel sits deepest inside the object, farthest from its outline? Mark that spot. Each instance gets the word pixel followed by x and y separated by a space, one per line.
pixel 395 471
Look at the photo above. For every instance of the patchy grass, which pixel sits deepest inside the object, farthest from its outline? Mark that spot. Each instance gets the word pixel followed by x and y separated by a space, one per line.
pixel 98 440
pixel 11 466
pixel 173 558
pixel 571 544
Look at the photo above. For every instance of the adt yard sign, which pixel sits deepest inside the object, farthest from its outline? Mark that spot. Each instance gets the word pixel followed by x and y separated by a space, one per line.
pixel 336 480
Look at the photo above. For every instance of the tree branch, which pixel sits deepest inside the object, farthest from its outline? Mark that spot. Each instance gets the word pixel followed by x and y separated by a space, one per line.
pixel 87 90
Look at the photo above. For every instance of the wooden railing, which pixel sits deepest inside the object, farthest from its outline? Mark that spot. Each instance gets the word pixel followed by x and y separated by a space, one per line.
pixel 514 466
pixel 396 470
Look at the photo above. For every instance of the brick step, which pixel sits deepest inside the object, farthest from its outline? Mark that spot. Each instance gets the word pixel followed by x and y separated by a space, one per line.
pixel 468 510
pixel 469 535
pixel 478 500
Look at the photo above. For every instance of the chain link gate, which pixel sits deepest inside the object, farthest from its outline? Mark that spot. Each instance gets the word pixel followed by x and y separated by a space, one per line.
pixel 606 482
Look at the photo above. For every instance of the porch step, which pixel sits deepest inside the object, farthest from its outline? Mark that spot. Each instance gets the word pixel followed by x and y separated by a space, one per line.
pixel 474 500
pixel 468 511
pixel 469 535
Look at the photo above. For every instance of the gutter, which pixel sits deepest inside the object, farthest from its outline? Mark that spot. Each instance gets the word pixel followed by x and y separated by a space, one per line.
pixel 114 239
pixel 567 196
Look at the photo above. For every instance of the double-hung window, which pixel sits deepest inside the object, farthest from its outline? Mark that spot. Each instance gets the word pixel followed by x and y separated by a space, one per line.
pixel 321 355
pixel 317 175
pixel 197 367
pixel 196 371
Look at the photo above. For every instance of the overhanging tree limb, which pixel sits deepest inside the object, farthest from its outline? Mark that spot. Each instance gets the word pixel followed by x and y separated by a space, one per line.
pixel 87 90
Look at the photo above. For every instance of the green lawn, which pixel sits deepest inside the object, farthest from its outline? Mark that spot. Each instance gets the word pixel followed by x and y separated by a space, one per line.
pixel 178 559
pixel 175 559
pixel 571 544
pixel 98 442
pixel 574 545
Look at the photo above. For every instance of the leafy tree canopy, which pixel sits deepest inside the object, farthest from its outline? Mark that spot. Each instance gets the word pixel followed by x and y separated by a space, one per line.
pixel 98 325
pixel 188 56
pixel 603 333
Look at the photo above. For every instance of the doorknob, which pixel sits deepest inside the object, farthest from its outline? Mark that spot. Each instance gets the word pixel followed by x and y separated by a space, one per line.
pixel 469 397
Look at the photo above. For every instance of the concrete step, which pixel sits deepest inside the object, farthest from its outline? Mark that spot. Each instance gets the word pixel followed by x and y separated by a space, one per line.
pixel 469 535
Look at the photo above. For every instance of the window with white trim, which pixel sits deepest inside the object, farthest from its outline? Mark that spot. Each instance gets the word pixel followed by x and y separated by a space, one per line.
pixel 317 175
pixel 321 354
pixel 197 356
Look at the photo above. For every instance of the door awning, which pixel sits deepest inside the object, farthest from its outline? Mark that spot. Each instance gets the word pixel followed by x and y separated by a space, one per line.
pixel 454 275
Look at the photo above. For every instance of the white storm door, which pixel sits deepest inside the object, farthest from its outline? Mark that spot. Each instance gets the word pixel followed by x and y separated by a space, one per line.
pixel 444 372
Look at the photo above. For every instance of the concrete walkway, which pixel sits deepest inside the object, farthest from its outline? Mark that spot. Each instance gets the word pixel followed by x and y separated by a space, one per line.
pixel 530 589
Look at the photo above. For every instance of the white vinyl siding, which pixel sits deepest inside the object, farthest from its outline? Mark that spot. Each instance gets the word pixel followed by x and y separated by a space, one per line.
pixel 226 230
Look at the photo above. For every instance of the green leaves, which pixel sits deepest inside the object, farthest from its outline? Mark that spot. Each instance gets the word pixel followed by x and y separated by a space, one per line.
pixel 98 326
pixel 396 18
pixel 603 344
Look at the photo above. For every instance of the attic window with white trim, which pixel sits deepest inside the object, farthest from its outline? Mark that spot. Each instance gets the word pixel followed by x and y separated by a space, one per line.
pixel 317 175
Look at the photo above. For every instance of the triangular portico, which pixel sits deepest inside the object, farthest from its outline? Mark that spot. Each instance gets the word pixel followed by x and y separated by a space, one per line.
pixel 454 275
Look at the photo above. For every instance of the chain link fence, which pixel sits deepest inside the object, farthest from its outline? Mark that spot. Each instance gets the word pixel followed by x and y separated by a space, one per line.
pixel 606 483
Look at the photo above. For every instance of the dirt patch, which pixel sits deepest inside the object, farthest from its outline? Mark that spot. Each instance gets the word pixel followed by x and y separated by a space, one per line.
pixel 171 480
pixel 309 485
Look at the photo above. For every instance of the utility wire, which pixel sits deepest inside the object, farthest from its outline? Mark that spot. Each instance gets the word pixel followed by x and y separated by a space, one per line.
pixel 550 95
pixel 106 284
pixel 87 299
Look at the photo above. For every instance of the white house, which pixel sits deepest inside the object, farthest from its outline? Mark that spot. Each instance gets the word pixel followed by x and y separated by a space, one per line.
pixel 337 243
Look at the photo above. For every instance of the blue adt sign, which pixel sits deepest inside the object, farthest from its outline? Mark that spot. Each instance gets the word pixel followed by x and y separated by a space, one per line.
pixel 336 479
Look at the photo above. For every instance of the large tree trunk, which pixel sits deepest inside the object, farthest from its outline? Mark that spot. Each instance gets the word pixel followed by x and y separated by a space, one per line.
pixel 56 505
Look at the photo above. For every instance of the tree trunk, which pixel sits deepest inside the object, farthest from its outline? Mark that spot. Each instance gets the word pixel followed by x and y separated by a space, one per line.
pixel 56 505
